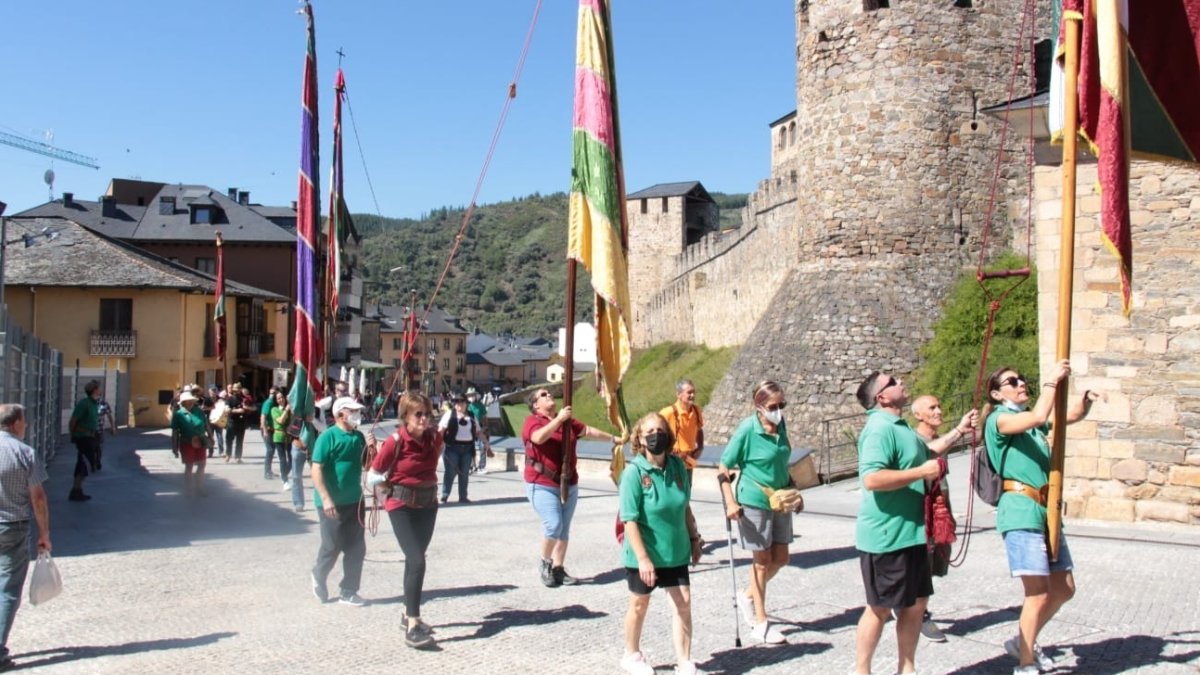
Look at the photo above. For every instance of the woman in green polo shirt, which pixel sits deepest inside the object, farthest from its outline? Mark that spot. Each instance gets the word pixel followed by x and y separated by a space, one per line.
pixel 660 539
pixel 1017 448
pixel 759 448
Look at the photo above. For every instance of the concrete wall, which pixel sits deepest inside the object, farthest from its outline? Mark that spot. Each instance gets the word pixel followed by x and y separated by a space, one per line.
pixel 1137 455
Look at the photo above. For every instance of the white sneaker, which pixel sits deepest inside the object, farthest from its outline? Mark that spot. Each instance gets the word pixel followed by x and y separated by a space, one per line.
pixel 766 634
pixel 686 668
pixel 1013 647
pixel 482 472
pixel 287 486
pixel 636 665
pixel 1026 670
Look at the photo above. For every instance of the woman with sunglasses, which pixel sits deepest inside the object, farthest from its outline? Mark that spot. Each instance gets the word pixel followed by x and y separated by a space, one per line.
pixel 759 448
pixel 405 471
pixel 543 437
pixel 1015 435
pixel 660 540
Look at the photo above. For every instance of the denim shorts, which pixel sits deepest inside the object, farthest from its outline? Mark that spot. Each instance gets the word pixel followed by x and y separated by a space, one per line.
pixel 1028 557
pixel 556 516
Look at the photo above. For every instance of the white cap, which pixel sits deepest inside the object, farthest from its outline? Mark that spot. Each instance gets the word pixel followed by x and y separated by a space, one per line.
pixel 345 403
pixel 187 396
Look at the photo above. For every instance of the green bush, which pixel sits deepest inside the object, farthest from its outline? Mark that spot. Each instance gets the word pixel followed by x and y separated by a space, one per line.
pixel 950 361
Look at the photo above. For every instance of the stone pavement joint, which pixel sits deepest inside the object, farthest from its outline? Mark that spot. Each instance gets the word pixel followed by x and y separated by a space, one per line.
pixel 157 582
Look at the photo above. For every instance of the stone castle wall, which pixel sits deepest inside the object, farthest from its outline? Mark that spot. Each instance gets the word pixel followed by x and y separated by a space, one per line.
pixel 1137 455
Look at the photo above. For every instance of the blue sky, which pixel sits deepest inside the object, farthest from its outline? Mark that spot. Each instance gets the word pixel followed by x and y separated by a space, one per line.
pixel 209 92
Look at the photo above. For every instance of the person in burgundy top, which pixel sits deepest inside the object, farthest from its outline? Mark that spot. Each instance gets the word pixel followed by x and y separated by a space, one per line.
pixel 543 436
pixel 405 470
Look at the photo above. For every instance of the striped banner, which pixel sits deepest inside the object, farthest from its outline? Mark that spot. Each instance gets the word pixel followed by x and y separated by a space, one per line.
pixel 307 345
pixel 597 234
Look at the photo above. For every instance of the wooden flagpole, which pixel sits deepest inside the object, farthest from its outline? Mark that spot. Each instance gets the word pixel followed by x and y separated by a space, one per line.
pixel 568 446
pixel 1066 269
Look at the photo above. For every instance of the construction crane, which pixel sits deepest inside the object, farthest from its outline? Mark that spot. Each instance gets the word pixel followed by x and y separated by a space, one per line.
pixel 48 150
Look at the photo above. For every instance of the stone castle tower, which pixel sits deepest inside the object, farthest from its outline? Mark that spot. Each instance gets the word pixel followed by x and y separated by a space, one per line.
pixel 879 187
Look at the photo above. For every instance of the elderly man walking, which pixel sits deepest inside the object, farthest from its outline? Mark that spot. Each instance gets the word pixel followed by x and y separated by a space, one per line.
pixel 893 466
pixel 21 497
pixel 686 424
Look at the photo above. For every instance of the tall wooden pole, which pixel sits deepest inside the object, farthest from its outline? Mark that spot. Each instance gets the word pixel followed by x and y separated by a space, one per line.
pixel 1066 271
pixel 568 445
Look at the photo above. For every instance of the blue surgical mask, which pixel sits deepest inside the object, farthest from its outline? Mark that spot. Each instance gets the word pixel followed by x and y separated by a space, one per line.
pixel 1015 407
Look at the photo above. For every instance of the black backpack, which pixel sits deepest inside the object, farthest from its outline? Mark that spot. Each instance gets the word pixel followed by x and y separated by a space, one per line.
pixel 451 433
pixel 989 483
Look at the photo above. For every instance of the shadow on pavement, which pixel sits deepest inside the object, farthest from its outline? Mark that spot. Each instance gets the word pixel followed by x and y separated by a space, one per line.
pixel 436 593
pixel 134 507
pixel 51 657
pixel 736 661
pixel 496 622
pixel 973 624
pixel 834 622
pixel 1124 654
pixel 828 556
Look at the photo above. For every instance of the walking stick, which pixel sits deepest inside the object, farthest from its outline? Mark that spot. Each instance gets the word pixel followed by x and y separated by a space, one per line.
pixel 737 624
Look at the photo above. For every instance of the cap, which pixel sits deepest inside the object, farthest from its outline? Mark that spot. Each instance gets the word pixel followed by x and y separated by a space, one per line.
pixel 455 398
pixel 345 403
pixel 471 390
pixel 187 396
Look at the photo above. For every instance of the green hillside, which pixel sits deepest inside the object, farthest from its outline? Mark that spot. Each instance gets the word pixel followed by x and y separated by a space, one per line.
pixel 649 384
pixel 509 276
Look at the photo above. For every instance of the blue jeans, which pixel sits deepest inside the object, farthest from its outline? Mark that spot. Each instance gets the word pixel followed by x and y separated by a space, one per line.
pixel 298 458
pixel 556 516
pixel 218 441
pixel 457 462
pixel 482 463
pixel 14 564
pixel 285 463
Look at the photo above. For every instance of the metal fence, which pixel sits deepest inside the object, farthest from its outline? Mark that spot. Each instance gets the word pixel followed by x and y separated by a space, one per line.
pixel 838 457
pixel 32 376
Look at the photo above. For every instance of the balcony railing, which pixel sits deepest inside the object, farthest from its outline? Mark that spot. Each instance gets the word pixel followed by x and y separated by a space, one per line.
pixel 113 343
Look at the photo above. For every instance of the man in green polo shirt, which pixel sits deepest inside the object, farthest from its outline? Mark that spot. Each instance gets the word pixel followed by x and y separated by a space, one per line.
pixel 337 459
pixel 893 465
pixel 85 434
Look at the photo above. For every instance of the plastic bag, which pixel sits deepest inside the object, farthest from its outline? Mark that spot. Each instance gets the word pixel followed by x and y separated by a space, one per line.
pixel 46 583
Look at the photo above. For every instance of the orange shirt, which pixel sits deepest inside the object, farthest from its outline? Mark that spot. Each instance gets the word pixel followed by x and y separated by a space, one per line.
pixel 685 426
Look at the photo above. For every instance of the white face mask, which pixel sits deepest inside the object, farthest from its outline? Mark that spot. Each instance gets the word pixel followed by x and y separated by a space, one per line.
pixel 354 419
pixel 1009 405
pixel 772 416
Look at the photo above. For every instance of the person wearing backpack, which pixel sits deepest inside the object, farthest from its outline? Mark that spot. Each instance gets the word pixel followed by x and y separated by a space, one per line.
pixel 1015 435
pixel 459 431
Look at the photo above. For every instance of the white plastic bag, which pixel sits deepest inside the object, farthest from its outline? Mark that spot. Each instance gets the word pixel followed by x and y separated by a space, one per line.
pixel 46 583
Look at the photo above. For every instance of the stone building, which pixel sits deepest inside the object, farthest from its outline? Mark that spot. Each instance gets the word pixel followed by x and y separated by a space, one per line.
pixel 880 183
pixel 1137 455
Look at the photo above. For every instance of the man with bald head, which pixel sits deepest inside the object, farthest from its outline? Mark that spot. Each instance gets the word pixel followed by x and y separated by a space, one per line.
pixel 927 410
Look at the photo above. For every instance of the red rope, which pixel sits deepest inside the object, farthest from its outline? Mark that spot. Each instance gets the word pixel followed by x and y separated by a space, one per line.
pixel 1028 20
pixel 415 327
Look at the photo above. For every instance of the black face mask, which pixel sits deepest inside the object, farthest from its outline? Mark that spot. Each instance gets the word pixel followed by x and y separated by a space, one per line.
pixel 659 443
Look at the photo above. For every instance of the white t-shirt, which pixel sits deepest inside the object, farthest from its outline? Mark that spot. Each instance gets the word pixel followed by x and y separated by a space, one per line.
pixel 463 435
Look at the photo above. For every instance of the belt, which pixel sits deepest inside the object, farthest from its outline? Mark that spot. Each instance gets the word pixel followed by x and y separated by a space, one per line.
pixel 541 468
pixel 415 496
pixel 1036 495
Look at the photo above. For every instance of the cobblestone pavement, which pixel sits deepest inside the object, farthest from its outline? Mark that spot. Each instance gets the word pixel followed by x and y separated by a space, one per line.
pixel 156 582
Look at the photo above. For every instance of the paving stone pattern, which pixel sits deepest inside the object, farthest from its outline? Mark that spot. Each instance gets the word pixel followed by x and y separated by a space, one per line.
pixel 158 583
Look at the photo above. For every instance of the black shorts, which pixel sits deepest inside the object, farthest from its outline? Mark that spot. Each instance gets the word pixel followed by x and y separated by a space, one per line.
pixel 895 580
pixel 665 577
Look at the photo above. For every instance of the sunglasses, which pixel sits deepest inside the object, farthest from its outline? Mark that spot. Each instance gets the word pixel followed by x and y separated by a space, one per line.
pixel 776 406
pixel 544 394
pixel 1012 380
pixel 420 415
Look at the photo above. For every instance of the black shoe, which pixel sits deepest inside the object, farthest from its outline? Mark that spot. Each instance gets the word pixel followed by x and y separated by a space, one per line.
pixel 78 496
pixel 564 579
pixel 464 500
pixel 418 637
pixel 445 498
pixel 548 577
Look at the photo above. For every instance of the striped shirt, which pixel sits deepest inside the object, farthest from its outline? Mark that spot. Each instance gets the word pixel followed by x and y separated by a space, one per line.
pixel 19 470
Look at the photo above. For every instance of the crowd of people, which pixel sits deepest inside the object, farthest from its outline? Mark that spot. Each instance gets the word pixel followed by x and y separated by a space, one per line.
pixel 902 472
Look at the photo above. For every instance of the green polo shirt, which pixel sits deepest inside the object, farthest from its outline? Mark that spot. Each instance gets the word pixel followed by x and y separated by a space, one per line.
pixel 1026 457
pixel 189 424
pixel 656 499
pixel 87 418
pixel 340 455
pixel 893 520
pixel 265 411
pixel 762 459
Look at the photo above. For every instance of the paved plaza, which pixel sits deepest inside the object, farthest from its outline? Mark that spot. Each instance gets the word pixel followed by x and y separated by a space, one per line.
pixel 159 583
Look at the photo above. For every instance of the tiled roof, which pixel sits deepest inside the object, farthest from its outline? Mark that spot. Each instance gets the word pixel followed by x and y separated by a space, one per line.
pixel 65 253
pixel 438 320
pixel 691 188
